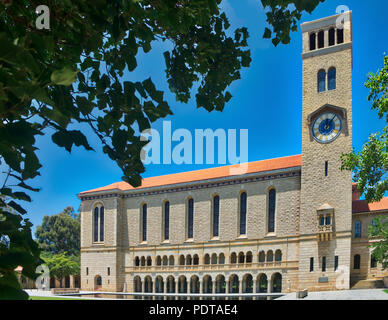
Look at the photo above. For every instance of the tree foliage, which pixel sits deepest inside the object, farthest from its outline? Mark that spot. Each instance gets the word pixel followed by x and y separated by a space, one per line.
pixel 62 265
pixel 60 233
pixel 379 229
pixel 370 165
pixel 73 73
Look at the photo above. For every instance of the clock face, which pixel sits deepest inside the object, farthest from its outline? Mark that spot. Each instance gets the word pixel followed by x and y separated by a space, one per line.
pixel 327 127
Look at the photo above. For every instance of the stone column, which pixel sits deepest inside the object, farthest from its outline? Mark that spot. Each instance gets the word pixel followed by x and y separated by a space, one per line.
pixel 254 285
pixel 153 284
pixel 326 38
pixel 240 288
pixel 200 288
pixel 176 288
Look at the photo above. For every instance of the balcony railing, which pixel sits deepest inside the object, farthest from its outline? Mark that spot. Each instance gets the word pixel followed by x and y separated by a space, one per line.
pixel 216 267
pixel 325 228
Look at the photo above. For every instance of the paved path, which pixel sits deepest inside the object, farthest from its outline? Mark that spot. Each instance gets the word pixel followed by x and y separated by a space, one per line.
pixel 363 294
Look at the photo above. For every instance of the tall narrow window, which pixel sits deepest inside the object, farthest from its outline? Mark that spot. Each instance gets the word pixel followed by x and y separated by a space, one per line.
pixel 332 79
pixel 144 223
pixel 243 213
pixel 313 38
pixel 340 36
pixel 311 264
pixel 321 81
pixel 326 168
pixel 108 271
pixel 323 264
pixel 95 224
pixel 321 39
pixel 166 220
pixel 357 261
pixel 216 215
pixel 190 218
pixel 335 263
pixel 332 37
pixel 357 229
pixel 328 220
pixel 87 271
pixel 271 210
pixel 373 262
pixel 102 224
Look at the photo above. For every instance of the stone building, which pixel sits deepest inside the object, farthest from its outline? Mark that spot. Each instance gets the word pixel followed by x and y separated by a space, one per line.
pixel 286 224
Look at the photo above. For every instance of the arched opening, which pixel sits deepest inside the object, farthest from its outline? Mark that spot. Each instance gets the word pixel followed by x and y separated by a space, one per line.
pixel 214 258
pixel 321 39
pixel 321 80
pixel 241 257
pixel 207 259
pixel 278 255
pixel 137 261
pixel 165 260
pixel 142 261
pixel 171 260
pixel 149 261
pixel 357 262
pixel 262 257
pixel 221 258
pixel 340 36
pixel 182 260
pixel 270 256
pixel 220 284
pixel 67 282
pixel 159 285
pixel 195 259
pixel 233 284
pixel 262 284
pixel 277 283
pixel 233 257
pixel 137 284
pixel 189 261
pixel 182 284
pixel 207 284
pixel 332 37
pixel 158 261
pixel 249 257
pixel 97 282
pixel 313 39
pixel 170 284
pixel 248 283
pixel 332 85
pixel 148 284
pixel 194 284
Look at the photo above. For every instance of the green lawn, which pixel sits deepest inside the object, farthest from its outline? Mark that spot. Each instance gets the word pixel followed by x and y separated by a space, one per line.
pixel 386 291
pixel 51 298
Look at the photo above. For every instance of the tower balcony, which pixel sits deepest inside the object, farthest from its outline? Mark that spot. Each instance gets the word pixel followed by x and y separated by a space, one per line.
pixel 325 215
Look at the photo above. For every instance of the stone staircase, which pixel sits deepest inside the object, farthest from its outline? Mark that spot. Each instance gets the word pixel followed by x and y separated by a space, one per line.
pixel 367 284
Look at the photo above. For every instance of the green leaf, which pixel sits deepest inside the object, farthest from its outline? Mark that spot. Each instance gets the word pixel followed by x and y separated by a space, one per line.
pixel 65 76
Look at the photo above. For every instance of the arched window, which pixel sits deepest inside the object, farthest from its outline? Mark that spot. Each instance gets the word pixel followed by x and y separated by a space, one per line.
pixel 313 38
pixel 207 259
pixel 158 261
pixel 137 261
pixel 149 261
pixel 262 256
pixel 196 260
pixel 166 220
pixel 357 261
pixel 321 39
pixel 357 229
pixel 95 224
pixel 340 36
pixel 332 37
pixel 144 222
pixel 102 224
pixel 278 255
pixel 142 261
pixel 98 223
pixel 271 210
pixel 216 214
pixel 233 258
pixel 243 213
pixel 241 257
pixel 270 256
pixel 190 218
pixel 332 79
pixel 182 260
pixel 321 81
pixel 221 258
pixel 214 258
pixel 249 257
pixel 171 260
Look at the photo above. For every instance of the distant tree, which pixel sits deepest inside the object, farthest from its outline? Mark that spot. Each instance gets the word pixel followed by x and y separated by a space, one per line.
pixel 60 233
pixel 62 265
pixel 379 229
pixel 73 73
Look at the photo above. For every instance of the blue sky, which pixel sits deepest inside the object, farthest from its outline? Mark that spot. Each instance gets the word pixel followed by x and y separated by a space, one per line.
pixel 267 101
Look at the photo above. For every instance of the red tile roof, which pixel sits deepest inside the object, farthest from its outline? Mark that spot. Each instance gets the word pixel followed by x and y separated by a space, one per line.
pixel 205 174
pixel 362 206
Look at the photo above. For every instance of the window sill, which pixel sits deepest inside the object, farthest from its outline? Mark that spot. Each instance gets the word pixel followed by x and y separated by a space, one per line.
pixel 165 241
pixel 98 243
pixel 143 243
pixel 189 240
pixel 270 235
pixel 215 239
pixel 242 236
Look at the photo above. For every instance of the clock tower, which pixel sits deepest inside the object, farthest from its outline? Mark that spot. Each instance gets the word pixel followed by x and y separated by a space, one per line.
pixel 326 191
